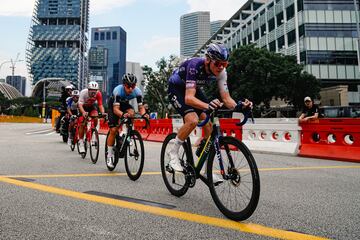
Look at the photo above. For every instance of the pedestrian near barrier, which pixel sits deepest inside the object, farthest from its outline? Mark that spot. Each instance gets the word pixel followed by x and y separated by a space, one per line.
pixel 273 135
pixel 331 138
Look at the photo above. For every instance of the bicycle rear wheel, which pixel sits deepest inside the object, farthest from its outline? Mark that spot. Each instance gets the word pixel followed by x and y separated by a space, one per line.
pixel 134 156
pixel 238 195
pixel 116 152
pixel 94 145
pixel 73 140
pixel 174 181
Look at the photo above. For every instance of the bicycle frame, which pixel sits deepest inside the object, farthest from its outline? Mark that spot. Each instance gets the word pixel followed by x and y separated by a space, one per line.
pixel 212 141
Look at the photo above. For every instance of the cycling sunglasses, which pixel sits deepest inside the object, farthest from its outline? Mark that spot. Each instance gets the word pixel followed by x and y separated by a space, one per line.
pixel 219 64
pixel 130 85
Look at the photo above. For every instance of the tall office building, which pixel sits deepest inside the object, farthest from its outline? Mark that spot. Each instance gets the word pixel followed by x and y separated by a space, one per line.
pixel 135 68
pixel 194 32
pixel 17 82
pixel 215 26
pixel 98 63
pixel 321 34
pixel 114 40
pixel 57 42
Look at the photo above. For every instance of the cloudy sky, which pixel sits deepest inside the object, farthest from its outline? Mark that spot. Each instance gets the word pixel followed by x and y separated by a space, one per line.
pixel 152 26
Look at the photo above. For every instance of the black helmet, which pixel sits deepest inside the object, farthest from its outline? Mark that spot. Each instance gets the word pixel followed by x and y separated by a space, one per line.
pixel 217 52
pixel 129 78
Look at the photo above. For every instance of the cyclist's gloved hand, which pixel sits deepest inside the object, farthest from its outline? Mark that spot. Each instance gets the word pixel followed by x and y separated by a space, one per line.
pixel 73 117
pixel 243 104
pixel 214 104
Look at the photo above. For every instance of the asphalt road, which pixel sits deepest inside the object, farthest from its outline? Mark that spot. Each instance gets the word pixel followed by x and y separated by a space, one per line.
pixel 45 193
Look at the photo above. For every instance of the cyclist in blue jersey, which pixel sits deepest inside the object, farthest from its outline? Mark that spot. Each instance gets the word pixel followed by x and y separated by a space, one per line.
pixel 188 99
pixel 119 107
pixel 72 110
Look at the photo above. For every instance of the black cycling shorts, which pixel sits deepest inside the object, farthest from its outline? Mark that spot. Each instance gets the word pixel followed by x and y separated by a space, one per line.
pixel 113 118
pixel 176 96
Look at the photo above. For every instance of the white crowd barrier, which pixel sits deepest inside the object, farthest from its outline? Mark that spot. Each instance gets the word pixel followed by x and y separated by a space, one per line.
pixel 273 135
pixel 195 135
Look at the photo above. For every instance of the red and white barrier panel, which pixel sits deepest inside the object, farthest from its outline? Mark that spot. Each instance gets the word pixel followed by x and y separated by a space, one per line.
pixel 332 138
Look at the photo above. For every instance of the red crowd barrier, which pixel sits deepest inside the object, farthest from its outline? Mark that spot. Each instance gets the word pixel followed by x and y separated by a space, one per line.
pixel 159 129
pixel 139 125
pixel 228 127
pixel 331 138
pixel 104 127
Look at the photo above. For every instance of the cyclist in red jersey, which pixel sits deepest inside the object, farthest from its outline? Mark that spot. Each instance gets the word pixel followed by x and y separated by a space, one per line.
pixel 87 100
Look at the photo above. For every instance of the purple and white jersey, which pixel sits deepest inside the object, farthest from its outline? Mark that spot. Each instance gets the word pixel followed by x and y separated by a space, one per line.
pixel 192 74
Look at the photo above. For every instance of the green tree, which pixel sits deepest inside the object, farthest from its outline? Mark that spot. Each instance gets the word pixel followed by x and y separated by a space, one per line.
pixel 261 75
pixel 4 103
pixel 156 88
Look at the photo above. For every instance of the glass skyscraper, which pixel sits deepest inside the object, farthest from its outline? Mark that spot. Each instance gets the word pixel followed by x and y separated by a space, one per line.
pixel 114 40
pixel 194 32
pixel 322 34
pixel 57 44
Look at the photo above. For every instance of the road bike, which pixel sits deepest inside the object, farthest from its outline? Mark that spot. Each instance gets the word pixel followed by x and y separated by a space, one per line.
pixel 129 146
pixel 91 138
pixel 237 193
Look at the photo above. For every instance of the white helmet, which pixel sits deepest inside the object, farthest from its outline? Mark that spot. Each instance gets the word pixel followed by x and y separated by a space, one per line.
pixel 69 87
pixel 93 85
pixel 75 93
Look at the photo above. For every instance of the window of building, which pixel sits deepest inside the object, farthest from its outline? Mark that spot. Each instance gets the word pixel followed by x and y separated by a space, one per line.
pixel 96 36
pixel 114 35
pixel 250 38
pixel 62 21
pixel 244 41
pixel 108 36
pixel 263 30
pixel 301 30
pixel 290 12
pixel 272 46
pixel 271 24
pixel 300 5
pixel 280 18
pixel 102 36
pixel 256 34
pixel 71 21
pixel 281 42
pixel 291 37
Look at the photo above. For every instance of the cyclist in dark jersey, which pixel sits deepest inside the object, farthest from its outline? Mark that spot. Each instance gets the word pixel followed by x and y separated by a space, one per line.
pixel 189 100
pixel 72 110
pixel 119 107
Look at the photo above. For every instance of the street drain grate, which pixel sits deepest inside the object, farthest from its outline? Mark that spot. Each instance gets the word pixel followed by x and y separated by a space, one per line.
pixel 129 199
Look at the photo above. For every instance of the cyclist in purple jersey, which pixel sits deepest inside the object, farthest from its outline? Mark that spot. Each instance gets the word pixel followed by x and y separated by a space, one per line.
pixel 188 99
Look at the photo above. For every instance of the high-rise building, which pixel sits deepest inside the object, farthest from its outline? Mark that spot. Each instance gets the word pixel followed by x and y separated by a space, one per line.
pixel 194 32
pixel 321 34
pixel 114 40
pixel 17 82
pixel 57 43
pixel 135 68
pixel 98 63
pixel 216 25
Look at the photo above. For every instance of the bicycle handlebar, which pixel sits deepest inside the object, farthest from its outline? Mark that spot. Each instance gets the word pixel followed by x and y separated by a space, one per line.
pixel 210 114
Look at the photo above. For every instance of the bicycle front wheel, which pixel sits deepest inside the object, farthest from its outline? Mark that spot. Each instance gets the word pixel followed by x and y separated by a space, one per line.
pixel 94 145
pixel 236 191
pixel 134 156
pixel 174 181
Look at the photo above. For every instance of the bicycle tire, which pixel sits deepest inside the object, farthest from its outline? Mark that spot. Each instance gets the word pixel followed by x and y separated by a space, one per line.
pixel 94 146
pixel 116 154
pixel 134 173
pixel 238 180
pixel 183 187
pixel 72 146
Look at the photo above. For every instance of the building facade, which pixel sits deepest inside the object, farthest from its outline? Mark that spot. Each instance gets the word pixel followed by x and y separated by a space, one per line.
pixel 57 43
pixel 194 32
pixel 98 63
pixel 114 40
pixel 17 82
pixel 135 68
pixel 321 34
pixel 215 26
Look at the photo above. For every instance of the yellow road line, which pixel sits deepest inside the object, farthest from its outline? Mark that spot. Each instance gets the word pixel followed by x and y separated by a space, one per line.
pixel 158 173
pixel 186 216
